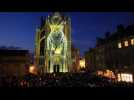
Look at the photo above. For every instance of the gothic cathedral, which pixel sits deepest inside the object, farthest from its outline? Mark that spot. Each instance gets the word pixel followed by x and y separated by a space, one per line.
pixel 53 44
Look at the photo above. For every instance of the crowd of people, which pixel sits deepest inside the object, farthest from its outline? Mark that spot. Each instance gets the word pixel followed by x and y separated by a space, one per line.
pixel 62 80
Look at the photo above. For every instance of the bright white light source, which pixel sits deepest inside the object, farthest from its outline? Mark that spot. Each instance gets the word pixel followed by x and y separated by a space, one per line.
pixel 119 45
pixel 125 77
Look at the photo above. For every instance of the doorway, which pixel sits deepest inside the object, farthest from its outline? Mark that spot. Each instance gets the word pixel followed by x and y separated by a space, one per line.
pixel 56 68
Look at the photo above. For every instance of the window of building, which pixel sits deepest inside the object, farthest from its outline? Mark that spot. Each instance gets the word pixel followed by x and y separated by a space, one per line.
pixel 132 41
pixel 119 45
pixel 119 77
pixel 125 77
pixel 126 43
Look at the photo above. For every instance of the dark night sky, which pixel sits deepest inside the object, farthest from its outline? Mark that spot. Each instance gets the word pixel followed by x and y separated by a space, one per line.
pixel 18 29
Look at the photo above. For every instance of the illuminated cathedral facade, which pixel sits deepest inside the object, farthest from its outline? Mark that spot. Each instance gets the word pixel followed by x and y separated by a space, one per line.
pixel 53 44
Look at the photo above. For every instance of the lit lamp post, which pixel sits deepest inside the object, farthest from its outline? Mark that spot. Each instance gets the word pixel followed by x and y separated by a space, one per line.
pixel 33 70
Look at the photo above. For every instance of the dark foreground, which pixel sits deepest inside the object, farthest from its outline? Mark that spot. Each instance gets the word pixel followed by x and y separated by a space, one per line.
pixel 62 80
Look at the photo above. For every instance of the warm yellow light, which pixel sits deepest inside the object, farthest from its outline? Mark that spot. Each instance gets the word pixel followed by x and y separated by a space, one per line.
pixel 58 51
pixel 119 45
pixel 125 77
pixel 132 41
pixel 119 77
pixel 99 72
pixel 32 70
pixel 55 28
pixel 82 63
pixel 131 78
pixel 126 43
pixel 109 74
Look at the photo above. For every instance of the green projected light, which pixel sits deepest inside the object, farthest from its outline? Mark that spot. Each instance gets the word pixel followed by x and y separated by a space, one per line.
pixel 54 43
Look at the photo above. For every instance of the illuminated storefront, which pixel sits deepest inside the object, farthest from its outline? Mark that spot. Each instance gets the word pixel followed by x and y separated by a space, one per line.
pixel 107 73
pixel 125 77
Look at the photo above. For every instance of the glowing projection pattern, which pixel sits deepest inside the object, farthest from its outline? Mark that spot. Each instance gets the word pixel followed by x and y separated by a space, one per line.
pixel 53 44
pixel 57 46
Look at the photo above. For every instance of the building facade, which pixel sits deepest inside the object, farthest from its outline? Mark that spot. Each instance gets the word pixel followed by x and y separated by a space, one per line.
pixel 114 51
pixel 75 59
pixel 14 62
pixel 53 44
pixel 90 59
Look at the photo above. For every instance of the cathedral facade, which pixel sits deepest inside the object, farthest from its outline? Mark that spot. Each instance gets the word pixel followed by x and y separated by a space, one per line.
pixel 53 44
